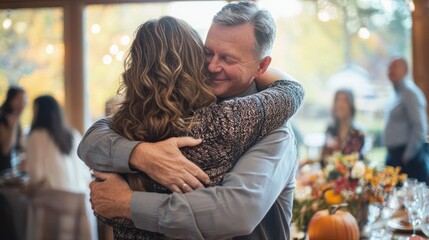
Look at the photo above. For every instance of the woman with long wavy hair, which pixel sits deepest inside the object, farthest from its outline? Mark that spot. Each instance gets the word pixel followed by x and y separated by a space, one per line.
pixel 167 94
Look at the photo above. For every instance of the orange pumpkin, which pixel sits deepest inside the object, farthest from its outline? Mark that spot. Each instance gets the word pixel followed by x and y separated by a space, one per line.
pixel 333 224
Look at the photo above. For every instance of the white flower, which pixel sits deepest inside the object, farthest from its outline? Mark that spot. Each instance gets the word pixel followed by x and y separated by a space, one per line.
pixel 303 194
pixel 358 170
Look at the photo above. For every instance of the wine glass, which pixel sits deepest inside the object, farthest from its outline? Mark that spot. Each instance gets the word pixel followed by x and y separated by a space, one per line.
pixel 374 212
pixel 391 205
pixel 425 216
pixel 410 182
pixel 414 202
pixel 425 219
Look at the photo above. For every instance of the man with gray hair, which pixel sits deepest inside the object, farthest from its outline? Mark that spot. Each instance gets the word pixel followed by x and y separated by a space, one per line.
pixel 255 199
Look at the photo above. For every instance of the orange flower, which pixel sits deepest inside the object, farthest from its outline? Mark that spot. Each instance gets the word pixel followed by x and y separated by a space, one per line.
pixel 332 198
pixel 342 169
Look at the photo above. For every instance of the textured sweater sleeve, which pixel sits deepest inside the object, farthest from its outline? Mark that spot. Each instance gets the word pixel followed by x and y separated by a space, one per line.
pixel 246 120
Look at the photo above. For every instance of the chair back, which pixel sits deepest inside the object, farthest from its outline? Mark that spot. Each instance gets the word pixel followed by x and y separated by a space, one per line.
pixel 57 215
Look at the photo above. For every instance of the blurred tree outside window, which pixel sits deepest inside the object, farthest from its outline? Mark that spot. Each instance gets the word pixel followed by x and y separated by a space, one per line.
pixel 32 54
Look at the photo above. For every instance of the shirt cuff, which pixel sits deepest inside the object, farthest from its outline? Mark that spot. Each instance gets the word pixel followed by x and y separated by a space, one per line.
pixel 122 153
pixel 144 210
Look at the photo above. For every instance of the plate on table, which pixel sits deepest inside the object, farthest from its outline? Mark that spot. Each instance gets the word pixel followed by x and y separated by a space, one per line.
pixel 402 224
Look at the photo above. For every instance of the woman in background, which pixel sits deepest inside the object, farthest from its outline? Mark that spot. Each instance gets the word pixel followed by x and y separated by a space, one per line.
pixel 343 135
pixel 52 161
pixel 10 128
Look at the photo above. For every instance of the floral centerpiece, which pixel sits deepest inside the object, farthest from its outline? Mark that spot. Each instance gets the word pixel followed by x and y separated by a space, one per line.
pixel 344 179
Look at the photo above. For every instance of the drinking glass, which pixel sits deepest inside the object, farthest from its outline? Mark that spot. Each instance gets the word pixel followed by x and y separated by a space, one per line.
pixel 15 161
pixel 425 215
pixel 414 202
pixel 425 219
pixel 391 205
pixel 410 182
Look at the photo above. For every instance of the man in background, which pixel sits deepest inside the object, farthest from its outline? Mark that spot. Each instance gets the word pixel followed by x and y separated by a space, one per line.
pixel 406 124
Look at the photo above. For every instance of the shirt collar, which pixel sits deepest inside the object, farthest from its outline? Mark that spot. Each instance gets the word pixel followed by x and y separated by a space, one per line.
pixel 399 85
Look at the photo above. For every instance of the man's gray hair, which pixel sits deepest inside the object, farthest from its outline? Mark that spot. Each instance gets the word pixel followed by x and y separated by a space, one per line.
pixel 242 12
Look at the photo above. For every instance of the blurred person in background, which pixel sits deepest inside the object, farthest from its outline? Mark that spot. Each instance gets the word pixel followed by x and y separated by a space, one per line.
pixel 52 160
pixel 406 124
pixel 10 128
pixel 343 135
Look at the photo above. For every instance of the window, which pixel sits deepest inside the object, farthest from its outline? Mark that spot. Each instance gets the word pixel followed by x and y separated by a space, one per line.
pixel 32 54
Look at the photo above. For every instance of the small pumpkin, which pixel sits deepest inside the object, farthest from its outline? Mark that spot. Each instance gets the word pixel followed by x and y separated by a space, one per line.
pixel 332 198
pixel 333 224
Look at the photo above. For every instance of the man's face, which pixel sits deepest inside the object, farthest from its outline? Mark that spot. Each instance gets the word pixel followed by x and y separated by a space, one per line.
pixel 397 70
pixel 230 59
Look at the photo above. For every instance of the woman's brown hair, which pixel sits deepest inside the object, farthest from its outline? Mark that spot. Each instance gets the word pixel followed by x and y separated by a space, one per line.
pixel 164 81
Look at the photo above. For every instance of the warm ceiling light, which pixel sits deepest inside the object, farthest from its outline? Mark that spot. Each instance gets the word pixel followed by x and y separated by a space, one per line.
pixel 7 23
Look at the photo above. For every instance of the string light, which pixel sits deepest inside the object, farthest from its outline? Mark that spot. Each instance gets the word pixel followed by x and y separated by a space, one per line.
pixel 125 40
pixel 323 16
pixel 20 27
pixel 364 33
pixel 113 49
pixel 107 59
pixel 50 49
pixel 7 23
pixel 120 56
pixel 95 28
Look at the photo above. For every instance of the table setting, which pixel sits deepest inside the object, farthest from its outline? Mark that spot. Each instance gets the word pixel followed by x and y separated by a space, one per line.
pixel 404 215
pixel 382 202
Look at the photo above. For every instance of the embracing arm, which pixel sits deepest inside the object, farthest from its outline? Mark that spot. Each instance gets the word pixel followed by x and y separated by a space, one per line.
pixel 250 118
pixel 255 183
pixel 105 150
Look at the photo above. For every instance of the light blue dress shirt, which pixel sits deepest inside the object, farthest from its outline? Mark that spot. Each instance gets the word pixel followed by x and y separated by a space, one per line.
pixel 406 119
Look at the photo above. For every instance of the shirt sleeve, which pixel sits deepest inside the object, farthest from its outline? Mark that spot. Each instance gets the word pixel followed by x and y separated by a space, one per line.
pixel 255 183
pixel 417 119
pixel 103 149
